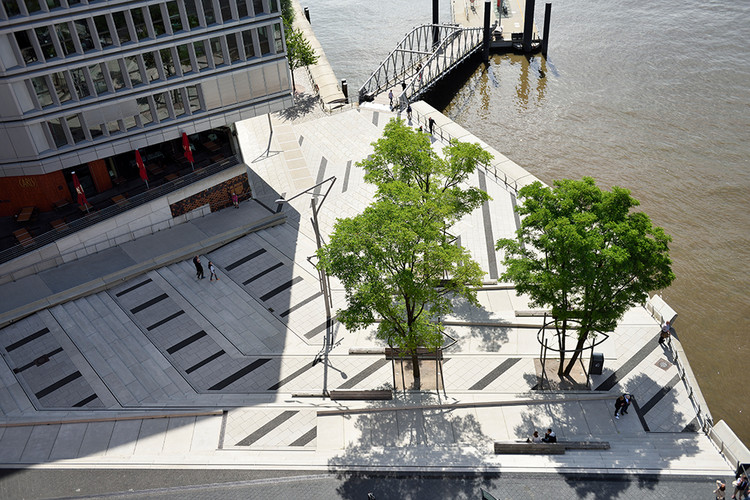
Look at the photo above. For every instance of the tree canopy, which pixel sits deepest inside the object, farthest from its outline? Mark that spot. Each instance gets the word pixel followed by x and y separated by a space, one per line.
pixel 299 52
pixel 396 260
pixel 585 254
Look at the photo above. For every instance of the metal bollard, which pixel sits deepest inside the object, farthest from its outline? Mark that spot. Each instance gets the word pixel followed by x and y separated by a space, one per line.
pixel 307 14
pixel 345 89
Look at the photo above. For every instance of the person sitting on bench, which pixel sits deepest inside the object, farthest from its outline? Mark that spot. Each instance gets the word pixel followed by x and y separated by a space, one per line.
pixel 549 437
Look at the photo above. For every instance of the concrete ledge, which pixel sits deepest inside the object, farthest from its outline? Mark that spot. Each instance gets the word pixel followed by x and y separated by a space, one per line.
pixel 729 444
pixel 146 416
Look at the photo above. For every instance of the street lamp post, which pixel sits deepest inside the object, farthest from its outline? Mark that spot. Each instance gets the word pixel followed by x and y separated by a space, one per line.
pixel 322 276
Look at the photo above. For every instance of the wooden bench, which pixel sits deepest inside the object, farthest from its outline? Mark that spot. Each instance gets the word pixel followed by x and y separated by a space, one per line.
pixel 23 237
pixel 361 395
pixel 422 353
pixel 558 448
pixel 59 225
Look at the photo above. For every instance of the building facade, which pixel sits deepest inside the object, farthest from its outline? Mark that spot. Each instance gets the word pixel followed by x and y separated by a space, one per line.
pixel 84 81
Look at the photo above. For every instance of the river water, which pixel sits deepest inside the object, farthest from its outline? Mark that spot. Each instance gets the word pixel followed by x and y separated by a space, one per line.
pixel 650 96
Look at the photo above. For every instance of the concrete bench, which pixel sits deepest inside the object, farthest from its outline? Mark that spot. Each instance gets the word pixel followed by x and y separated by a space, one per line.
pixel 422 353
pixel 361 395
pixel 558 448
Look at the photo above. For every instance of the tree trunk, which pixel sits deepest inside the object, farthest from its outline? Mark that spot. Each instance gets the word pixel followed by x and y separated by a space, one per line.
pixel 582 335
pixel 294 89
pixel 561 343
pixel 415 370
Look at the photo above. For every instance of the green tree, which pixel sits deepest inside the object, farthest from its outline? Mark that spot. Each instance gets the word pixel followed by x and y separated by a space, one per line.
pixel 287 11
pixel 398 264
pixel 585 254
pixel 299 52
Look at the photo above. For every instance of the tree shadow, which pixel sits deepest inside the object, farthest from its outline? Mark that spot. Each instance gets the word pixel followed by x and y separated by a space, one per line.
pixel 490 338
pixel 304 104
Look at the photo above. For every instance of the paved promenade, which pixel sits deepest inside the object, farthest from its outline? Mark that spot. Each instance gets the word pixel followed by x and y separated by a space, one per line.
pixel 140 364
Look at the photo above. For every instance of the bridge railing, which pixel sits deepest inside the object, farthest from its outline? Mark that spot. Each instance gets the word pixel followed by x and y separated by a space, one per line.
pixel 417 62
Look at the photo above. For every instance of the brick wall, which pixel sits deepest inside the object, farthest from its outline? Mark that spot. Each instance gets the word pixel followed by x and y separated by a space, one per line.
pixel 218 197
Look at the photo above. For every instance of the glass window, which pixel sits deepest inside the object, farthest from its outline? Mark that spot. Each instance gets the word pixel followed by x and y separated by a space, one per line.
pixel 95 129
pixel 42 91
pixel 162 112
pixel 66 39
pixel 200 55
pixel 177 102
pixel 134 71
pixel 184 54
pixel 113 127
pixel 97 78
pixel 129 122
pixel 74 2
pixel 53 4
pixel 139 21
pixel 11 8
pixel 174 17
pixel 24 45
pixel 242 8
pixel 115 73
pixel 123 35
pixel 247 40
pixel 274 4
pixel 57 132
pixel 149 61
pixel 258 6
pixel 84 34
pixel 76 130
pixel 45 42
pixel 193 100
pixel 265 46
pixel 208 12
pixel 61 87
pixel 33 5
pixel 167 63
pixel 234 50
pixel 217 51
pixel 157 21
pixel 277 40
pixel 226 11
pixel 192 13
pixel 144 108
pixel 102 31
pixel 81 86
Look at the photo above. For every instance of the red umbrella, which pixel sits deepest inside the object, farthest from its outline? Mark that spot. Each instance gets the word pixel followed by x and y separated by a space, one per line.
pixel 186 148
pixel 79 191
pixel 141 166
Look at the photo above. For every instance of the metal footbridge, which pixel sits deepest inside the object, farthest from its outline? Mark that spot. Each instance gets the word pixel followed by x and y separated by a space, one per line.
pixel 421 58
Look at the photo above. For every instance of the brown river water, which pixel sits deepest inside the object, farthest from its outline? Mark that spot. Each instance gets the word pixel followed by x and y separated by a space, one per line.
pixel 651 96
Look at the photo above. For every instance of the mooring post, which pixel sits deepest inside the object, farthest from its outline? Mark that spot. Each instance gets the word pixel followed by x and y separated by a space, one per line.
pixel 435 21
pixel 345 89
pixel 307 14
pixel 545 39
pixel 528 25
pixel 487 37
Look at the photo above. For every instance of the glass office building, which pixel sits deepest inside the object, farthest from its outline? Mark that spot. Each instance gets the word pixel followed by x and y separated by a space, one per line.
pixel 82 82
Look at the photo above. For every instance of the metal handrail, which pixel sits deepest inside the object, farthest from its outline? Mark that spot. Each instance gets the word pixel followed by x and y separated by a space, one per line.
pixel 108 212
pixel 704 417
pixel 491 170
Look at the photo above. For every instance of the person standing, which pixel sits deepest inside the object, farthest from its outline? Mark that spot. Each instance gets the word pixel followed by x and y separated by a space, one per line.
pixel 740 485
pixel 720 490
pixel 666 334
pixel 626 405
pixel 408 112
pixel 431 124
pixel 212 272
pixel 390 97
pixel 235 200
pixel 619 403
pixel 198 267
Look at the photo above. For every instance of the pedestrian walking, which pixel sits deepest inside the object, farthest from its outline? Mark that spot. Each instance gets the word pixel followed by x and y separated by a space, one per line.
pixel 619 403
pixel 666 334
pixel 408 112
pixel 198 267
pixel 549 437
pixel 740 485
pixel 626 405
pixel 212 272
pixel 235 200
pixel 720 490
pixel 431 124
pixel 390 97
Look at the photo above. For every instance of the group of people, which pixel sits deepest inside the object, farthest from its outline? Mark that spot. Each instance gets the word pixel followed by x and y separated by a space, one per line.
pixel 199 269
pixel 740 488
pixel 621 405
pixel 549 437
